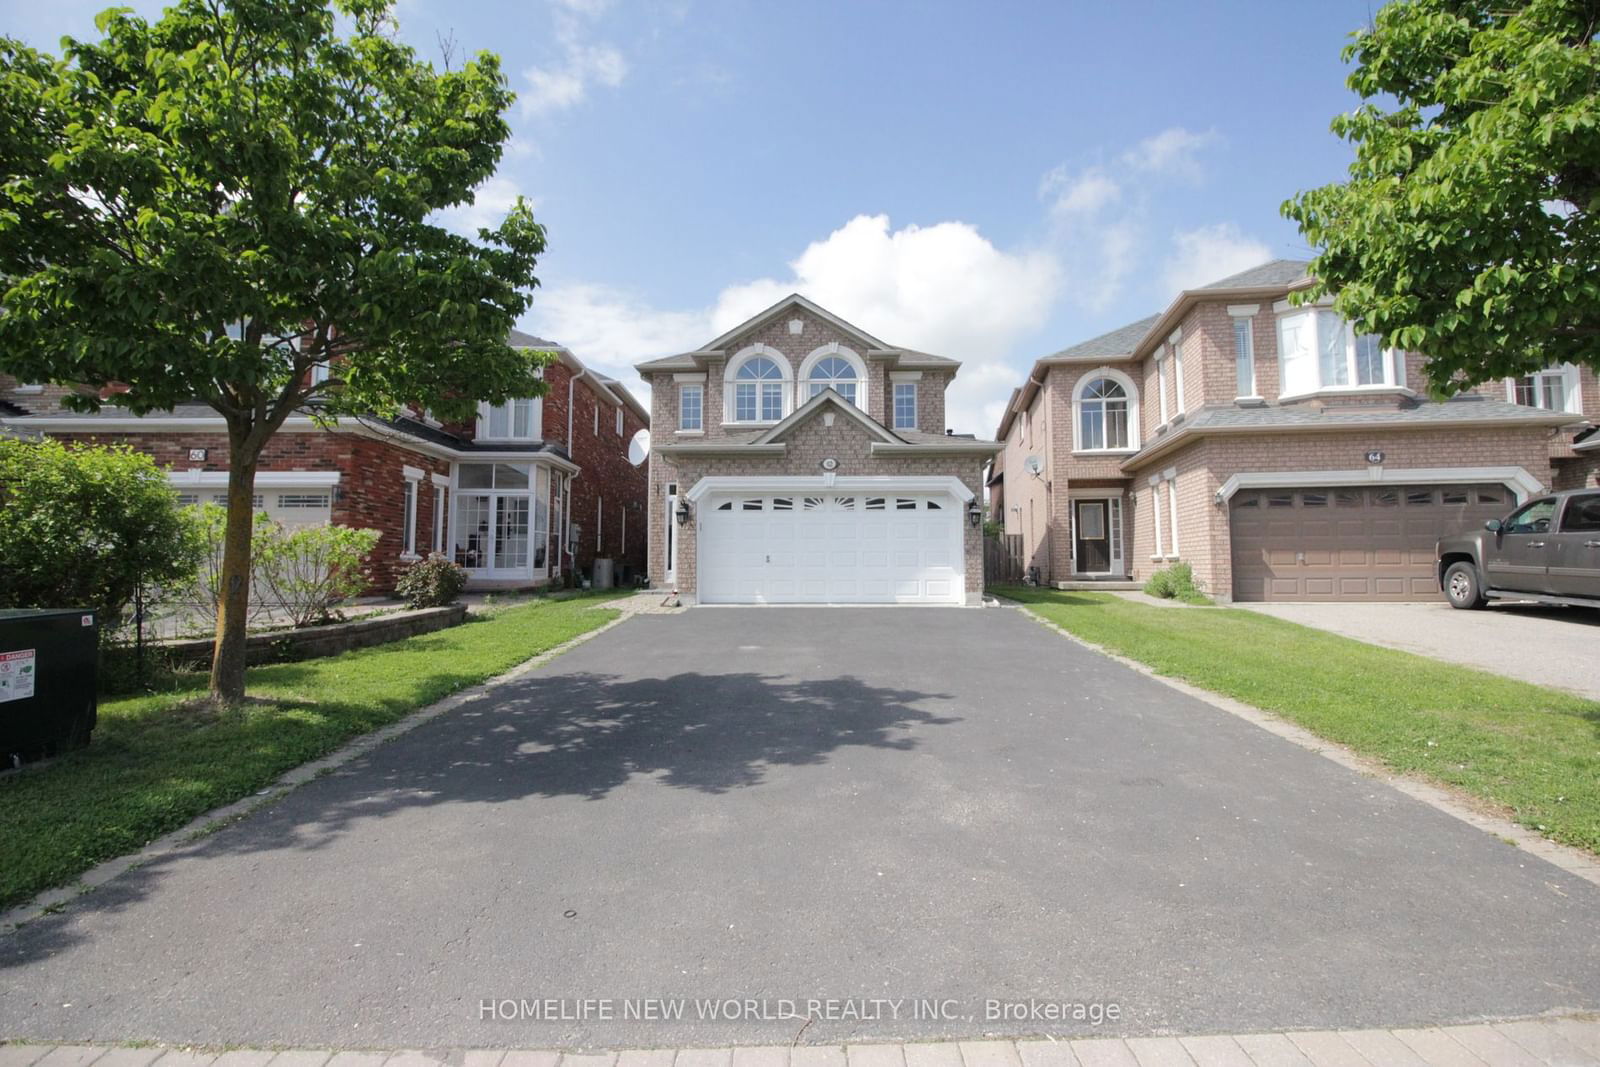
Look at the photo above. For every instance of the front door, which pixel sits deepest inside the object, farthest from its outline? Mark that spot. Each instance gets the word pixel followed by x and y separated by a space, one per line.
pixel 1091 541
pixel 1519 554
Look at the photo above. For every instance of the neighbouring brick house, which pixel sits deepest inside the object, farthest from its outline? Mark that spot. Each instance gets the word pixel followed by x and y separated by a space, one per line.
pixel 1279 453
pixel 798 459
pixel 533 492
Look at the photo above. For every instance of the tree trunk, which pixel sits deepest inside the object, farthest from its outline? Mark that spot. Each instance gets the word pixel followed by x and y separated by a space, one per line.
pixel 228 654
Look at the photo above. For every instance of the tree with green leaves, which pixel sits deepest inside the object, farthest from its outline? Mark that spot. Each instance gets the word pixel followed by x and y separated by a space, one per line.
pixel 1469 228
pixel 236 204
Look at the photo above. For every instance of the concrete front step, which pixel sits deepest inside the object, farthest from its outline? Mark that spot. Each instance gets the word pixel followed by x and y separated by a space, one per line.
pixel 1108 585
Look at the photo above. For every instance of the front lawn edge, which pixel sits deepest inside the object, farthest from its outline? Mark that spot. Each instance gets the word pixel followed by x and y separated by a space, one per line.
pixel 1456 804
pixel 54 901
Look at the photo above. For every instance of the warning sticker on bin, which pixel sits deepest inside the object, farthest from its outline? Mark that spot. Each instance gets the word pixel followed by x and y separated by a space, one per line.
pixel 17 672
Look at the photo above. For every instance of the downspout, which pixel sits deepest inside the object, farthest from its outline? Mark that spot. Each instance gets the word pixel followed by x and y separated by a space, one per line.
pixel 566 502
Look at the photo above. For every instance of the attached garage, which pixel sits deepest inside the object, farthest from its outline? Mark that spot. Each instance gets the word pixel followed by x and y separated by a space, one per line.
pixel 815 546
pixel 1350 543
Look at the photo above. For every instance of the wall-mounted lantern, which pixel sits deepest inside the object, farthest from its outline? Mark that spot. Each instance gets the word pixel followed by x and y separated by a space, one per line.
pixel 683 512
pixel 975 514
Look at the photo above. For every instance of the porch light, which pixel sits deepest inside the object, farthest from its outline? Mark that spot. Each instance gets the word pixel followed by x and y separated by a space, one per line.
pixel 683 512
pixel 975 514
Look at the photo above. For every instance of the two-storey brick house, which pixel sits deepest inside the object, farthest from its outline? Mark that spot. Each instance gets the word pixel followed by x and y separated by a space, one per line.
pixel 799 459
pixel 529 494
pixel 1271 447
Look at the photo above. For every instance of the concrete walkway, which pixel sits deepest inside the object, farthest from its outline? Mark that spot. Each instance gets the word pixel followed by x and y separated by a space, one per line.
pixel 1545 646
pixel 1528 1043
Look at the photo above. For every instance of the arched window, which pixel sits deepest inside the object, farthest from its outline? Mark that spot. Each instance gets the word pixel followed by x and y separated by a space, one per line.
pixel 836 373
pixel 1103 421
pixel 758 391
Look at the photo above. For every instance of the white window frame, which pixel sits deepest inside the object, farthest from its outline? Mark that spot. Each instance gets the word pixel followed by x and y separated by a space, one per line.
pixel 899 391
pixel 599 525
pixel 1244 350
pixel 597 416
pixel 410 507
pixel 1171 477
pixel 1155 512
pixel 1176 340
pixel 698 391
pixel 785 385
pixel 441 504
pixel 1572 393
pixel 1315 319
pixel 1130 393
pixel 619 421
pixel 535 411
pixel 803 381
pixel 1161 386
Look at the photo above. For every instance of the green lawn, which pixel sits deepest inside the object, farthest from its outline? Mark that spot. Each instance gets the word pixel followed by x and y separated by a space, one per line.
pixel 159 761
pixel 1531 751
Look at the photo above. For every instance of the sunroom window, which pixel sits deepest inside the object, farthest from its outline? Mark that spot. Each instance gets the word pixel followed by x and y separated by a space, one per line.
pixel 1319 350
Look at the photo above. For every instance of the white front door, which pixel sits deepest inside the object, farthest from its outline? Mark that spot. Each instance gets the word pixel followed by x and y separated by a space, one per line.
pixel 830 547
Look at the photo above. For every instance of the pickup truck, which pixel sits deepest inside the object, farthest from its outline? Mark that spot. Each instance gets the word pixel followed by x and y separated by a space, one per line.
pixel 1548 550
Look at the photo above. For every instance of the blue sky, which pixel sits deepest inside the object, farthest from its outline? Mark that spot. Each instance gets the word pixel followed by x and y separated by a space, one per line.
pixel 988 181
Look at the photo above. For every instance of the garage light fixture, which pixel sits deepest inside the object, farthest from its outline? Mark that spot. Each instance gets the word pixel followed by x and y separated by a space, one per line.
pixel 683 512
pixel 975 513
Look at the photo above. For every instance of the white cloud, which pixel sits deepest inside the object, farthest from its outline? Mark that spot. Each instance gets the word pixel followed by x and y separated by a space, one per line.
pixel 564 85
pixel 1210 253
pixel 942 288
pixel 1082 194
pixel 490 203
pixel 1174 151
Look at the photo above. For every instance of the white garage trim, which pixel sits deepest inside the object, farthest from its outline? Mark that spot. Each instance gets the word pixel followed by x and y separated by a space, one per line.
pixel 782 483
pixel 264 479
pixel 1517 478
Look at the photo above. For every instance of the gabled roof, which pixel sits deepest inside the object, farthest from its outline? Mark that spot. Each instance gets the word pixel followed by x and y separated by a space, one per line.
pixel 1117 344
pixel 828 397
pixel 608 387
pixel 1274 272
pixel 794 300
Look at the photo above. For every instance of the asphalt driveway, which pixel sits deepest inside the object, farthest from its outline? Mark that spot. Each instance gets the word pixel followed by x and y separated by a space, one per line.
pixel 1545 645
pixel 939 807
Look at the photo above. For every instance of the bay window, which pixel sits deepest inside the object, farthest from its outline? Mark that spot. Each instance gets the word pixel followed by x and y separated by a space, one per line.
pixel 1318 350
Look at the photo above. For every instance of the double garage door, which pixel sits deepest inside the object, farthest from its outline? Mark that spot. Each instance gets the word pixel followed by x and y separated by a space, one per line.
pixel 1355 543
pixel 831 548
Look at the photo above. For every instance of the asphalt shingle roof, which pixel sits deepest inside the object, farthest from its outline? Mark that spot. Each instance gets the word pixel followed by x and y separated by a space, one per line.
pixel 1469 408
pixel 1119 342
pixel 1275 272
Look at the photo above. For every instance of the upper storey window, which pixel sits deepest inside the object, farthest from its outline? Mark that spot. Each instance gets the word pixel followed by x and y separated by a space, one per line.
pixel 515 420
pixel 1104 415
pixel 836 373
pixel 758 391
pixel 1318 350
pixel 1555 389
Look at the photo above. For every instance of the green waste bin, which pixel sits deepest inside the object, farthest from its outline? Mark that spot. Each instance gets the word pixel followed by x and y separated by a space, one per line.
pixel 48 700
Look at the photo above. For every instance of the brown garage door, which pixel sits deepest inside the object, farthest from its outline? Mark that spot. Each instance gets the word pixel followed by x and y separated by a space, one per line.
pixel 1355 543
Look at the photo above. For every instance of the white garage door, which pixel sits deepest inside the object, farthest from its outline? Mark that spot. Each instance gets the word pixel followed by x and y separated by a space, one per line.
pixel 832 548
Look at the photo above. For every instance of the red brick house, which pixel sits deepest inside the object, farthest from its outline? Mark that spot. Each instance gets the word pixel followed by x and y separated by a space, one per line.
pixel 1278 452
pixel 532 493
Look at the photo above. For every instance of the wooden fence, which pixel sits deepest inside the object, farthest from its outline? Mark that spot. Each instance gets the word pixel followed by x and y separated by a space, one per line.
pixel 1002 559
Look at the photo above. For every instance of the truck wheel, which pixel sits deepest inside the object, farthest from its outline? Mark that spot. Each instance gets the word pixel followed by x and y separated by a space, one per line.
pixel 1461 587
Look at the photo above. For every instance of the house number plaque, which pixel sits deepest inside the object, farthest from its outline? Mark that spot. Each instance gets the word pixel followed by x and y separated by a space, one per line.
pixel 1375 456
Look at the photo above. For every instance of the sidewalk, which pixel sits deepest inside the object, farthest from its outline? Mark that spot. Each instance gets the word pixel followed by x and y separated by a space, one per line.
pixel 1526 1043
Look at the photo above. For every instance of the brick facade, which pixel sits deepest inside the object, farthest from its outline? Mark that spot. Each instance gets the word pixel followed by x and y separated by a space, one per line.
pixel 806 445
pixel 1205 343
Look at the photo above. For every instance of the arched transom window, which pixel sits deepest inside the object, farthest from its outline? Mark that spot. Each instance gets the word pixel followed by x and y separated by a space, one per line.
pixel 1103 415
pixel 836 373
pixel 758 391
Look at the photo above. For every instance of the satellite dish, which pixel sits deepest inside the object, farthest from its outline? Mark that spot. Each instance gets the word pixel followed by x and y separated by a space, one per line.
pixel 1033 465
pixel 639 448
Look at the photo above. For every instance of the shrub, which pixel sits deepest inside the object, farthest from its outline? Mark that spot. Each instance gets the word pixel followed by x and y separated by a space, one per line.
pixel 306 571
pixel 210 523
pixel 85 525
pixel 432 582
pixel 1175 583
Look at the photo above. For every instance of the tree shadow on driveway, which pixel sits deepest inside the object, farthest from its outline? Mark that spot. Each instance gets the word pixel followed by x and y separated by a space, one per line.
pixel 578 735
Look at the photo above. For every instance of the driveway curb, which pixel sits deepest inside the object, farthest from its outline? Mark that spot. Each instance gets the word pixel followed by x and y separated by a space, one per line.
pixel 1574 861
pixel 1567 1040
pixel 55 900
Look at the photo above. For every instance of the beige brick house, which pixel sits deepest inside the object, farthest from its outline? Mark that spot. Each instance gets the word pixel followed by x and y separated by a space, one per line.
pixel 799 459
pixel 1279 453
